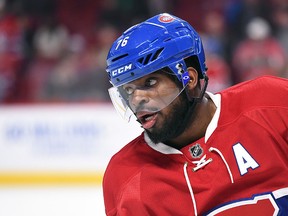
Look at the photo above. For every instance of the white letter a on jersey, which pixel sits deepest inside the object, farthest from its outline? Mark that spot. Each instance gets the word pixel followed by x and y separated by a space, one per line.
pixel 244 159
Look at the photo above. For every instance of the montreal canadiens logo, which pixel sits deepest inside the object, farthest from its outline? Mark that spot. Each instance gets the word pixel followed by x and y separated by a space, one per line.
pixel 166 18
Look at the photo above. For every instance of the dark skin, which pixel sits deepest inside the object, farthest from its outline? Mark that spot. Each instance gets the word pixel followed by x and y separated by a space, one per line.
pixel 201 117
pixel 197 123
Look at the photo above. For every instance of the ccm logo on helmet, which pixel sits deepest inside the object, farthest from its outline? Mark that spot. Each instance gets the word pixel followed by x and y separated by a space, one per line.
pixel 122 69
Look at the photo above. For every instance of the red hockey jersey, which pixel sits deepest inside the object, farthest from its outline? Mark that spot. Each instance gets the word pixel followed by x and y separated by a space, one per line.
pixel 240 167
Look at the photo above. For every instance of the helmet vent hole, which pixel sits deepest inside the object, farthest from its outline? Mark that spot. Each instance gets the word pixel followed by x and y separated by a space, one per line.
pixel 119 57
pixel 147 59
pixel 157 53
pixel 132 74
pixel 141 60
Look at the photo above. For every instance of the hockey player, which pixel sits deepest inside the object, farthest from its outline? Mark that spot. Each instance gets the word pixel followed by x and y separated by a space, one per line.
pixel 200 153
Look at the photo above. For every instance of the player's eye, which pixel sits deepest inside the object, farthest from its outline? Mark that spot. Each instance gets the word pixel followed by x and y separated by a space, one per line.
pixel 150 82
pixel 129 90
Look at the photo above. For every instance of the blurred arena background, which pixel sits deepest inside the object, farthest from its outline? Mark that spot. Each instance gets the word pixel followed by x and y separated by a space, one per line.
pixel 58 128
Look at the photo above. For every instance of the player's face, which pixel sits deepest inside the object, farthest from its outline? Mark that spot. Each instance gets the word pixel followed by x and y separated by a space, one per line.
pixel 148 95
pixel 171 121
pixel 145 96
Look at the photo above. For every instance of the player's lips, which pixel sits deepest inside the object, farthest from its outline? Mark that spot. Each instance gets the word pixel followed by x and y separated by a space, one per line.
pixel 147 119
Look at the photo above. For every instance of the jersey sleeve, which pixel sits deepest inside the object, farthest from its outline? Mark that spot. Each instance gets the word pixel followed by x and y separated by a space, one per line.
pixel 121 182
pixel 128 201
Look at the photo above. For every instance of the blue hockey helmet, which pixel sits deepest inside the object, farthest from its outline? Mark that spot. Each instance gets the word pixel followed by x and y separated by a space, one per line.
pixel 161 41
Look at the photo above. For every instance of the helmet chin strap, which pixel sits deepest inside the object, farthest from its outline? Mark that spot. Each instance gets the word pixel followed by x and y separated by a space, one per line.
pixel 194 100
pixel 192 104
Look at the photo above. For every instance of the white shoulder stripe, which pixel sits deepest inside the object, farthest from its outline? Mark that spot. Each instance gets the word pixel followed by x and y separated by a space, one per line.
pixel 214 122
pixel 161 147
pixel 280 193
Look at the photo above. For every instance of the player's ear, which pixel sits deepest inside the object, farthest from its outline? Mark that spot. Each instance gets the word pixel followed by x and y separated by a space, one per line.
pixel 193 74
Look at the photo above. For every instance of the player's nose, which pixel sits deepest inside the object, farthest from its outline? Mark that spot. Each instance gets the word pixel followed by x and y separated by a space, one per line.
pixel 139 98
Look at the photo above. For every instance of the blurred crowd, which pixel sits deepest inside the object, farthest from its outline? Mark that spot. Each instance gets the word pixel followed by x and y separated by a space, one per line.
pixel 55 50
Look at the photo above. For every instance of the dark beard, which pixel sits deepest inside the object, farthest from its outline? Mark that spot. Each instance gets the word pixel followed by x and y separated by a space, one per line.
pixel 176 123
